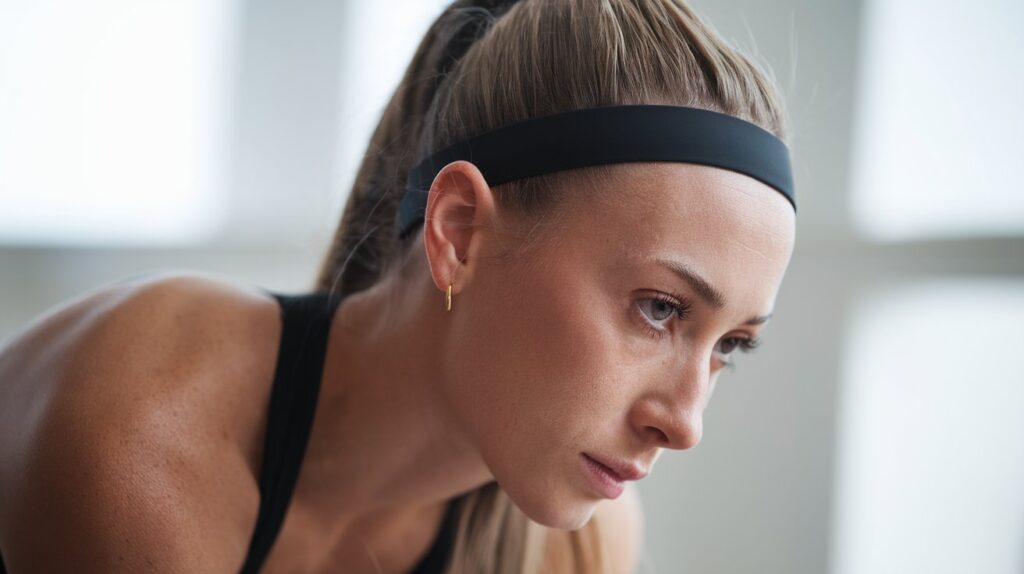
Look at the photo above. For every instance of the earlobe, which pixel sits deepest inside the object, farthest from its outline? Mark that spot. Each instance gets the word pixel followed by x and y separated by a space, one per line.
pixel 460 205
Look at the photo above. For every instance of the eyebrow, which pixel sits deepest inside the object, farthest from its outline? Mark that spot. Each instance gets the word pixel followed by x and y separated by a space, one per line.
pixel 706 290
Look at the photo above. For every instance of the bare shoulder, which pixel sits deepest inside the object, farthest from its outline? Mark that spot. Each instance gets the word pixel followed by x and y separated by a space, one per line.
pixel 118 427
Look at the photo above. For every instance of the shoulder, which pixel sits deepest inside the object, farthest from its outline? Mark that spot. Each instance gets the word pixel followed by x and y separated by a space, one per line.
pixel 116 436
pixel 159 318
pixel 135 349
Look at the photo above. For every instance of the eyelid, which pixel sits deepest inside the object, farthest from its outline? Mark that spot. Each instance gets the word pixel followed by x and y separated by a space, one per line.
pixel 748 342
pixel 681 309
pixel 681 303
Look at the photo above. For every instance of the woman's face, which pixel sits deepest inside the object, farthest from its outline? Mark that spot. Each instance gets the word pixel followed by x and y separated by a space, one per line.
pixel 592 343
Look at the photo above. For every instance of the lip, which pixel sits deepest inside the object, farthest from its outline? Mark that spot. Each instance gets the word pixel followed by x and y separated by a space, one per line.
pixel 604 481
pixel 622 470
pixel 608 480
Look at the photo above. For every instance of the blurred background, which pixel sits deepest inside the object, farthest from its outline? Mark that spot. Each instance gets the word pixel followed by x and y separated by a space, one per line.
pixel 879 430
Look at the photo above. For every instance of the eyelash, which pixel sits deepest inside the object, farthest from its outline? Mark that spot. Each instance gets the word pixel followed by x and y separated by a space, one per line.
pixel 682 308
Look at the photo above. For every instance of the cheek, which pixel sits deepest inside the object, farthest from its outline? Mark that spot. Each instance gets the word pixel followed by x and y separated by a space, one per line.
pixel 578 349
pixel 546 357
pixel 512 372
pixel 535 380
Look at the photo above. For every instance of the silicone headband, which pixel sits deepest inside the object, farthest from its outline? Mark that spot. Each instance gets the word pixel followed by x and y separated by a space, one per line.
pixel 604 135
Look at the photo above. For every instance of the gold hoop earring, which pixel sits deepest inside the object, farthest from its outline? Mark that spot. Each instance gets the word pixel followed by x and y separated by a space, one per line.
pixel 448 298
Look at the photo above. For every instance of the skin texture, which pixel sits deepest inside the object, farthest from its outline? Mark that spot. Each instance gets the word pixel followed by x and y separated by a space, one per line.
pixel 546 354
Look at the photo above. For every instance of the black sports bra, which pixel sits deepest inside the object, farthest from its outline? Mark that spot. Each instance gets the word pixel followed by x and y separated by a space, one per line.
pixel 303 347
pixel 293 399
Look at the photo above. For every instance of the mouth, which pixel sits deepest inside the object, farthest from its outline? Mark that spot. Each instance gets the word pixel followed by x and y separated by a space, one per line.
pixel 621 469
pixel 608 476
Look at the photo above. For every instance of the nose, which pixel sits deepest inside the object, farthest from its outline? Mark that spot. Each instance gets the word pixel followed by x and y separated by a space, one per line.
pixel 671 414
pixel 677 429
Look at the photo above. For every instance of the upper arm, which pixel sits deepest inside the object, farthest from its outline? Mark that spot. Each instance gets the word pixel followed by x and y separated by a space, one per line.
pixel 88 500
pixel 107 466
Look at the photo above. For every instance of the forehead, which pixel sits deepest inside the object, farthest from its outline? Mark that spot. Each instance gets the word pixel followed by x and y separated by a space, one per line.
pixel 729 226
pixel 687 201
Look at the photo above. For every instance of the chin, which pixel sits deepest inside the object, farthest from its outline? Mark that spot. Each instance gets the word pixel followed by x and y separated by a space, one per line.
pixel 564 511
pixel 577 521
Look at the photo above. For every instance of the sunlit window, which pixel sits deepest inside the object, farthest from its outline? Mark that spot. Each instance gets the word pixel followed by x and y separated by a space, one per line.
pixel 113 120
pixel 939 122
pixel 931 432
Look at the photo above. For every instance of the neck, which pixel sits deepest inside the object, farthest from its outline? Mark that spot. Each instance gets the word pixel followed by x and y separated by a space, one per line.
pixel 383 440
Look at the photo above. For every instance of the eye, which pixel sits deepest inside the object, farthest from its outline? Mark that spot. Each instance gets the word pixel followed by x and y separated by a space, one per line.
pixel 745 344
pixel 657 310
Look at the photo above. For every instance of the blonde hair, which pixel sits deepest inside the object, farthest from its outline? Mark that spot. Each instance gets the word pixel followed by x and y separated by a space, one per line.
pixel 525 59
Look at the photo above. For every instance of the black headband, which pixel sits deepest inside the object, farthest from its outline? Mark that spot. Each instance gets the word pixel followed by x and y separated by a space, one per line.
pixel 604 135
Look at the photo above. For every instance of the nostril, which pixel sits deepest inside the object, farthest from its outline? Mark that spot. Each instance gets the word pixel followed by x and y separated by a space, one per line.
pixel 659 435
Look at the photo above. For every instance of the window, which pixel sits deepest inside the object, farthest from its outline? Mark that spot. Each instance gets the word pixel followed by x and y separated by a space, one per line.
pixel 939 122
pixel 930 453
pixel 115 134
pixel 931 457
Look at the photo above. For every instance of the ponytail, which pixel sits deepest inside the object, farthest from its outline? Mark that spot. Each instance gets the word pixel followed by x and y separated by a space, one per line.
pixel 365 245
pixel 484 64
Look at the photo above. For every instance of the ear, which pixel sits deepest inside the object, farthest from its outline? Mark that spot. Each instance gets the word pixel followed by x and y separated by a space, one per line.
pixel 459 216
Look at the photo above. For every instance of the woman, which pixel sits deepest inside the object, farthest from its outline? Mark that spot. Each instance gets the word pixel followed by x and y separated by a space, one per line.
pixel 571 215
